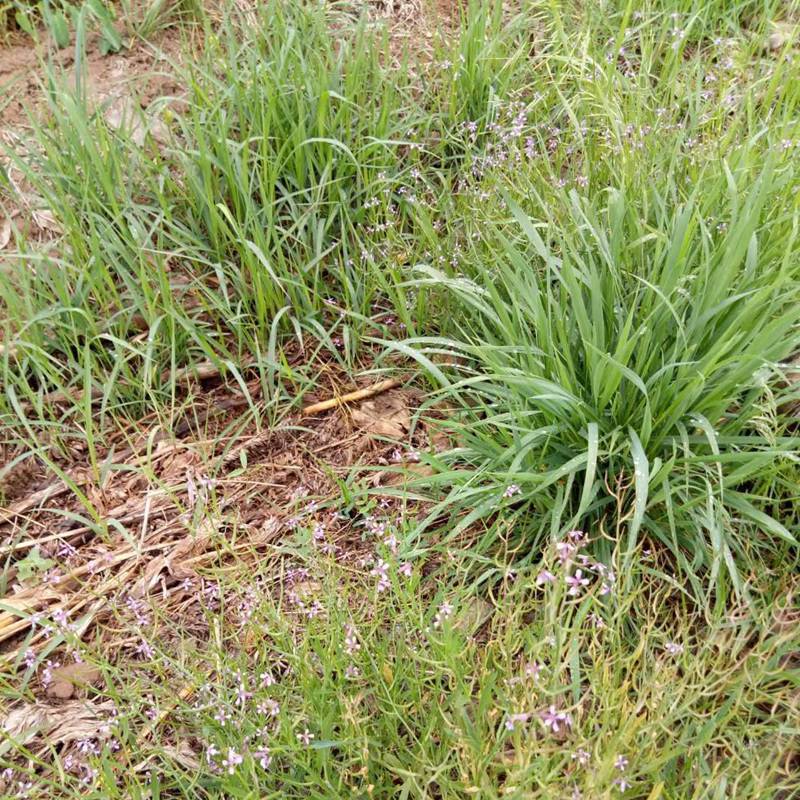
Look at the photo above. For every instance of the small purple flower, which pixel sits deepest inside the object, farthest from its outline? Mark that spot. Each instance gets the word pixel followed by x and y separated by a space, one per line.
pixel 576 582
pixel 232 760
pixel 145 650
pixel 269 708
pixel 581 756
pixel 621 763
pixel 597 621
pixel 533 670
pixel 88 747
pixel 578 538
pixel 673 648
pixel 266 679
pixel 445 611
pixel 351 672
pixel 263 757
pixel 305 737
pixel 405 569
pixel 621 784
pixel 222 716
pixel 242 695
pixel 565 551
pixel 351 643
pixel 511 490
pixel 555 720
pixel 545 576
pixel 514 719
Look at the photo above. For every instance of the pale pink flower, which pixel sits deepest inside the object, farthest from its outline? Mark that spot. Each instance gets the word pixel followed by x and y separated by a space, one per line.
pixel 263 757
pixel 576 582
pixel 555 720
pixel 305 737
pixel 232 760
pixel 513 719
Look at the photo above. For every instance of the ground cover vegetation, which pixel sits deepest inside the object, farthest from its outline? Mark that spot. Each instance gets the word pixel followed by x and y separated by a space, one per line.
pixel 549 549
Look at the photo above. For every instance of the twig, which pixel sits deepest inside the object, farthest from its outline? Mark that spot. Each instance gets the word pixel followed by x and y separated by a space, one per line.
pixel 351 397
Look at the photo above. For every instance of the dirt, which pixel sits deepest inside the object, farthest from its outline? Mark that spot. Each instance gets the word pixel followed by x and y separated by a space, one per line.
pixel 142 69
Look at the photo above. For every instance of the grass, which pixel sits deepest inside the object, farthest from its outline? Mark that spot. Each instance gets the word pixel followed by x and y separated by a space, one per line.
pixel 571 229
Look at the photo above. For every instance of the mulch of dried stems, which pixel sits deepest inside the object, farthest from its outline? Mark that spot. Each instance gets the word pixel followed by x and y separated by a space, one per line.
pixel 149 538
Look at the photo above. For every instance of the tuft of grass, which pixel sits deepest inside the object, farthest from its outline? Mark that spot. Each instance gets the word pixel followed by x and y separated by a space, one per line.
pixel 620 382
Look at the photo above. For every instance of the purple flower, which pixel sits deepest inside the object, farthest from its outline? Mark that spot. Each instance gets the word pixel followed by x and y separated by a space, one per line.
pixel 533 669
pixel 673 648
pixel 555 720
pixel 565 551
pixel 545 576
pixel 513 719
pixel 576 582
pixel 620 763
pixel 581 756
pixel 445 610
pixel 405 569
pixel 351 643
pixel 511 490
pixel 352 672
pixel 269 708
pixel 578 538
pixel 621 784
pixel 266 679
pixel 263 757
pixel 232 760
pixel 305 737
pixel 242 695
pixel 222 716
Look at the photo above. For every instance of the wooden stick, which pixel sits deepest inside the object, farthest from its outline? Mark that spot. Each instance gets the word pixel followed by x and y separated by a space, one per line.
pixel 351 397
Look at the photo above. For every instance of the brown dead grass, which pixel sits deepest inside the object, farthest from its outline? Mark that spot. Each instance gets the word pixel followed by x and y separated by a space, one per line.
pixel 156 527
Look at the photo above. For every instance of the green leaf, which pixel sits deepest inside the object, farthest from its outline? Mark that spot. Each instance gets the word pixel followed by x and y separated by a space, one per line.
pixel 30 566
pixel 24 21
pixel 58 26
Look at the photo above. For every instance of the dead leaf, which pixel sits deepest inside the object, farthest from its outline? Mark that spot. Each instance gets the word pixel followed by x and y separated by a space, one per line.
pixel 70 677
pixel 183 754
pixel 46 220
pixel 124 114
pixel 782 35
pixel 5 231
pixel 386 416
pixel 475 612
pixel 174 562
pixel 57 724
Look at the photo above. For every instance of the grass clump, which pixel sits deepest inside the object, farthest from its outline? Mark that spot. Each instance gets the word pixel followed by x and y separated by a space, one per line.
pixel 622 379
